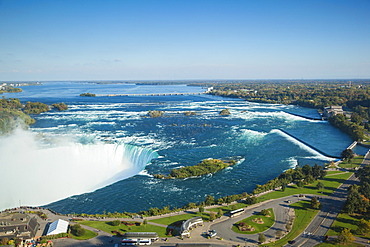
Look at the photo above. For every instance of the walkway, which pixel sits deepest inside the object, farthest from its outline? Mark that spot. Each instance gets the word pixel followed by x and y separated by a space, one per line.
pixel 331 206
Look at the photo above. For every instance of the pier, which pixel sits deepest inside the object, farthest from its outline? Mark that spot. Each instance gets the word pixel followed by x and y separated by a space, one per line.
pixel 148 94
pixel 352 145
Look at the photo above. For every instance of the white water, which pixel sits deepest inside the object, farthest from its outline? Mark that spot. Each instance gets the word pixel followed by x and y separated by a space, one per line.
pixel 35 175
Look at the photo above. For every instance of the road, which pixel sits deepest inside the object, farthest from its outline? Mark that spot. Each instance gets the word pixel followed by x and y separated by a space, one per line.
pixel 331 206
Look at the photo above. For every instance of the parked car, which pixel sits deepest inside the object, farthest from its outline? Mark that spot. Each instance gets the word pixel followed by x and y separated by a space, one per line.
pixel 212 233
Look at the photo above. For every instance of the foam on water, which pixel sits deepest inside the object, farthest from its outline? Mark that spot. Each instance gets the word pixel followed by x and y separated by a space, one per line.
pixel 48 174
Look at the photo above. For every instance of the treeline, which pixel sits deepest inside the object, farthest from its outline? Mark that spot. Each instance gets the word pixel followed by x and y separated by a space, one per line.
pixel 358 199
pixel 314 94
pixel 13 113
pixel 12 116
pixel 301 176
pixel 205 167
pixel 352 128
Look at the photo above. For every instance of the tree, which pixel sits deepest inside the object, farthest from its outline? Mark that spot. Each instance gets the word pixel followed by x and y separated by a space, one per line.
pixel 250 200
pixel 220 200
pixel 279 233
pixel 115 222
pixel 212 216
pixel 210 200
pixel 77 230
pixel 219 213
pixel 363 226
pixel 365 189
pixel 320 186
pixel 356 118
pixel 265 212
pixel 347 154
pixel 345 236
pixel 261 238
pixel 307 170
pixel 315 203
pixel 300 184
pixel 201 210
pixel 283 187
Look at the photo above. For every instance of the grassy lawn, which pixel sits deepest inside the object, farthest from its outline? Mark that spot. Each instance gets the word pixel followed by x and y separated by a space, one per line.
pixel 267 223
pixel 88 234
pixel 355 162
pixel 344 221
pixel 107 227
pixel 333 172
pixel 304 215
pixel 179 218
pixel 331 183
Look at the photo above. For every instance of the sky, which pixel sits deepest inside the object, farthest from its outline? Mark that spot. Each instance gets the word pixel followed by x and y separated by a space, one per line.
pixel 43 40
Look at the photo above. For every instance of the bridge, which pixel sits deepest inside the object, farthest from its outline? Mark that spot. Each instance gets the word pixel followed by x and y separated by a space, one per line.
pixel 148 94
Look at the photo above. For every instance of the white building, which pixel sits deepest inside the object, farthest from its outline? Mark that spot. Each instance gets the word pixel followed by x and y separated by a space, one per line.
pixel 58 226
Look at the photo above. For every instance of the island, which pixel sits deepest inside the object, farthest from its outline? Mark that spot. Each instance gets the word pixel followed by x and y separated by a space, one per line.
pixel 87 95
pixel 207 166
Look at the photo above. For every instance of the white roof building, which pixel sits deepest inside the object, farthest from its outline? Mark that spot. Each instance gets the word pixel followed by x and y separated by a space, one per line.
pixel 58 226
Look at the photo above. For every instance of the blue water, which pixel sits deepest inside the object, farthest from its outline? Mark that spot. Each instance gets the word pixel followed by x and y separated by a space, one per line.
pixel 251 135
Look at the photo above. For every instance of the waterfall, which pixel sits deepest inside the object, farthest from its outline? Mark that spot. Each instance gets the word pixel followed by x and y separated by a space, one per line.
pixel 35 175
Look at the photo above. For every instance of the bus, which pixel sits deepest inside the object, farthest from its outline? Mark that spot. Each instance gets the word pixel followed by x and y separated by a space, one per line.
pixel 136 242
pixel 236 212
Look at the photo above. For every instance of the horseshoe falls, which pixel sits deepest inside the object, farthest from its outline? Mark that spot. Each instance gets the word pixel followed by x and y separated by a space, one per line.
pixel 99 154
pixel 47 173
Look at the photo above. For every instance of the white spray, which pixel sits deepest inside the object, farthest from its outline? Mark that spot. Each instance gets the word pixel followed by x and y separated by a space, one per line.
pixel 36 175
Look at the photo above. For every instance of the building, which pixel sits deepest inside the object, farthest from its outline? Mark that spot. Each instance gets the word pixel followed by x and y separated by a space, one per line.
pixel 331 111
pixel 58 226
pixel 17 225
pixel 189 224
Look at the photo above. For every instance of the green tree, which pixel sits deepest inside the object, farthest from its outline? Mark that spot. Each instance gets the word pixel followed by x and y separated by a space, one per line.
pixel 307 170
pixel 115 222
pixel 201 210
pixel 210 200
pixel 261 238
pixel 320 186
pixel 315 203
pixel 212 216
pixel 283 187
pixel 220 200
pixel 279 234
pixel 356 118
pixel 77 230
pixel 219 213
pixel 300 184
pixel 265 212
pixel 347 154
pixel 345 236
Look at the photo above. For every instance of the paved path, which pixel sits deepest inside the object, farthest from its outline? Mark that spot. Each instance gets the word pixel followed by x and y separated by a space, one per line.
pixel 331 206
